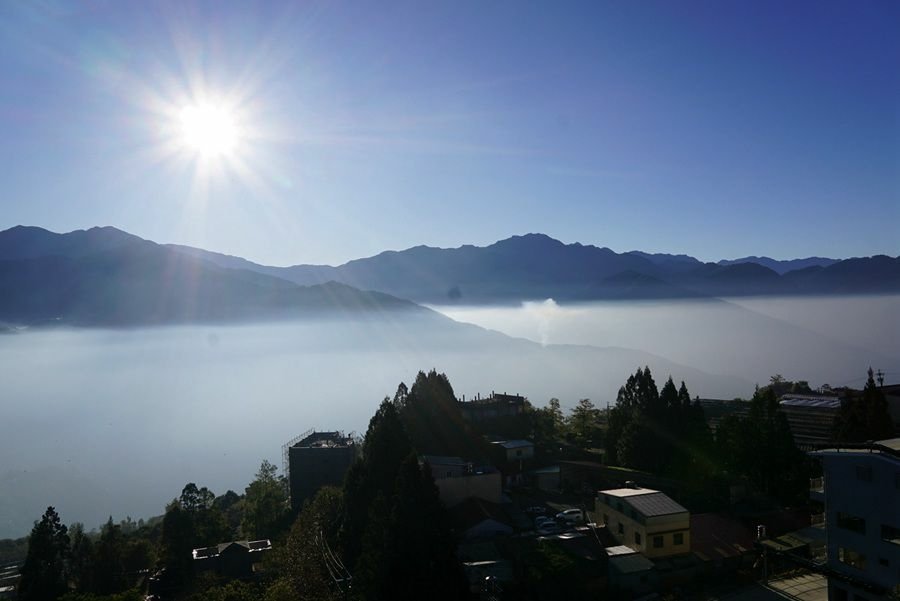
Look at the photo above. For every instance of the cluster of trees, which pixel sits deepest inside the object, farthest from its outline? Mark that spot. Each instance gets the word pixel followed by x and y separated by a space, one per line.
pixel 760 449
pixel 76 565
pixel 385 534
pixel 865 418
pixel 660 432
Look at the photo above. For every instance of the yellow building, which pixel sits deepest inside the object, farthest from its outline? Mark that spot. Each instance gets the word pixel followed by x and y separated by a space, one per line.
pixel 645 520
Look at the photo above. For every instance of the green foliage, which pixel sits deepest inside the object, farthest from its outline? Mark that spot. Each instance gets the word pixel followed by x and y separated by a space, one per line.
pixel 302 559
pixel 865 418
pixel 584 423
pixel 108 568
pixel 13 549
pixel 659 432
pixel 761 449
pixel 44 574
pixel 433 420
pixel 129 595
pixel 231 591
pixel 265 503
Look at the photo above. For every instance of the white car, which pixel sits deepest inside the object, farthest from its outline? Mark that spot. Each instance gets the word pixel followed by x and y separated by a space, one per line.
pixel 571 516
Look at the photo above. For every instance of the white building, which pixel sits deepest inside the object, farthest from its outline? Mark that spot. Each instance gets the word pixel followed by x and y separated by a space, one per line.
pixel 861 493
pixel 645 520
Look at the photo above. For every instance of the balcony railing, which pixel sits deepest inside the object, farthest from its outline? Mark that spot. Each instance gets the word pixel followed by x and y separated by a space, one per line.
pixel 817 484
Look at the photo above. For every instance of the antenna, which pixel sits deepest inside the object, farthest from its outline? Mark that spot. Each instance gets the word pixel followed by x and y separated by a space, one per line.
pixel 879 375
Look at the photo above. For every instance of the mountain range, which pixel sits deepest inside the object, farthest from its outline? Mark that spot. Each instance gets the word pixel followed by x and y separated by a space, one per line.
pixel 536 267
pixel 104 276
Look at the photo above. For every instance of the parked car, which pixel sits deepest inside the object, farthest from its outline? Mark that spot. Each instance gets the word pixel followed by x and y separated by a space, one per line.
pixel 541 520
pixel 548 527
pixel 571 516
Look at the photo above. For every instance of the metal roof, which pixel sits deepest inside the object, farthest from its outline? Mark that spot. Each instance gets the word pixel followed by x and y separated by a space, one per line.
pixel 514 444
pixel 818 402
pixel 655 504
pixel 630 564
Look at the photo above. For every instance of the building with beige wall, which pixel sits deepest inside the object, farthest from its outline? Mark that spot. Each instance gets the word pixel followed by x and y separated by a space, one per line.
pixel 645 520
pixel 458 480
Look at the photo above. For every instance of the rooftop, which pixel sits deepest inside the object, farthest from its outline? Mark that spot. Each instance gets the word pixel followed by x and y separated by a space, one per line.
pixel 630 564
pixel 514 444
pixel 818 402
pixel 242 545
pixel 888 446
pixel 649 502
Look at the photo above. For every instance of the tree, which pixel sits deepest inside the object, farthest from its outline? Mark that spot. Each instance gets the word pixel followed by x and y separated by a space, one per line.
pixel 302 559
pixel 265 503
pixel 44 574
pixel 865 418
pixel 81 558
pixel 109 571
pixel 584 422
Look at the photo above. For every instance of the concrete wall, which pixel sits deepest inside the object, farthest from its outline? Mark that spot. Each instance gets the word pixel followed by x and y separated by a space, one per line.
pixel 480 486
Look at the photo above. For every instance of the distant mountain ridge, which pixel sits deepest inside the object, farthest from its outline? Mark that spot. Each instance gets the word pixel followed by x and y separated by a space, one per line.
pixel 103 276
pixel 536 266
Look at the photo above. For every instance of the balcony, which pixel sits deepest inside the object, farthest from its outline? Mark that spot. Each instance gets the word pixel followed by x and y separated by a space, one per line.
pixel 817 489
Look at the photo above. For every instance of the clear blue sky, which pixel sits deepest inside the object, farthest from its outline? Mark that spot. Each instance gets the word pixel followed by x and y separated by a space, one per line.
pixel 717 129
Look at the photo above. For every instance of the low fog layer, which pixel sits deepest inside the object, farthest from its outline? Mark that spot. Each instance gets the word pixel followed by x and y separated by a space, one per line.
pixel 829 340
pixel 115 422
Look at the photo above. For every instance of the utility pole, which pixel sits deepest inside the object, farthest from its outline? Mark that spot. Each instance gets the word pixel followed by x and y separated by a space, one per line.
pixel 879 375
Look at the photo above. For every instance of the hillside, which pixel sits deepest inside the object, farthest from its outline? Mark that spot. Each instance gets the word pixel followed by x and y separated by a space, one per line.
pixel 103 276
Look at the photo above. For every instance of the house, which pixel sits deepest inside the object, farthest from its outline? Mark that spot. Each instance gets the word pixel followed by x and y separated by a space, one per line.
pixel 630 573
pixel 317 459
pixel 516 450
pixel 477 518
pixel 546 478
pixel 645 520
pixel 458 480
pixel 232 560
pixel 860 489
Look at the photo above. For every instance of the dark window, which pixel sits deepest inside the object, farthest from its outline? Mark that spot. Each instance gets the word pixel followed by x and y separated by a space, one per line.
pixel 678 538
pixel 883 561
pixel 449 474
pixel 518 453
pixel 851 522
pixel 637 538
pixel 890 534
pixel 840 594
pixel 657 542
pixel 852 558
pixel 605 519
pixel 621 528
pixel 864 473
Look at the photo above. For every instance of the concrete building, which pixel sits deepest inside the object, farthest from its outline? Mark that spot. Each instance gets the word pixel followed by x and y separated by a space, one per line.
pixel 645 520
pixel 861 493
pixel 234 560
pixel 811 418
pixel 488 408
pixel 458 480
pixel 317 459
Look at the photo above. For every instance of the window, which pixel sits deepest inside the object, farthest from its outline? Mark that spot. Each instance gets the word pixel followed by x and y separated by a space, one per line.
pixel 657 542
pixel 518 453
pixel 864 473
pixel 621 528
pixel 449 474
pixel 889 534
pixel 883 561
pixel 852 558
pixel 637 538
pixel 678 538
pixel 851 522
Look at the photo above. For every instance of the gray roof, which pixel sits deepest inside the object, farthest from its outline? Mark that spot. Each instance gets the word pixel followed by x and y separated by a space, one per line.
pixel 808 401
pixel 514 444
pixel 654 504
pixel 630 564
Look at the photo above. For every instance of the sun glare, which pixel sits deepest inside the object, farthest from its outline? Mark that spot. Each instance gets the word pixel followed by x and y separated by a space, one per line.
pixel 208 130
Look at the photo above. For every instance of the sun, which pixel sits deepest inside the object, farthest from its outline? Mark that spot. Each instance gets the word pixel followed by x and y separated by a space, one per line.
pixel 208 130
